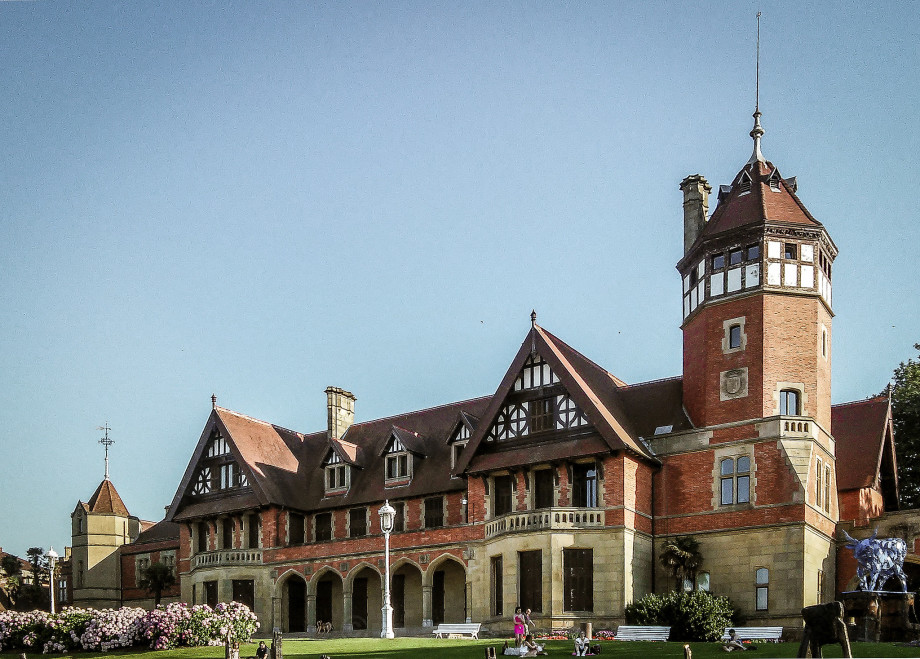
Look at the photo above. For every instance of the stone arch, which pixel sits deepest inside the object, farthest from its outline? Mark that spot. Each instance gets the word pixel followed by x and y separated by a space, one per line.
pixel 291 590
pixel 365 584
pixel 328 588
pixel 446 576
pixel 406 594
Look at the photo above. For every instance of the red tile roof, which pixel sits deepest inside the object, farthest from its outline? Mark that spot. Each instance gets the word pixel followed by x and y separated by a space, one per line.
pixel 106 500
pixel 861 430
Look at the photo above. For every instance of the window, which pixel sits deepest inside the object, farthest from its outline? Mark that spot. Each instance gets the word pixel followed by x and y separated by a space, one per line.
pixel 789 402
pixel 718 261
pixel 543 490
pixel 244 592
pixel 535 373
pixel 584 486
pixel 791 251
pixel 336 473
pixel 217 446
pixel 357 522
pixel 323 530
pixel 398 466
pixel 736 256
pixel 693 278
pixel 456 450
pixel 168 558
pixel 827 488
pixel 202 536
pixel 226 533
pixel 253 531
pixel 434 512
pixel 744 185
pixel 753 252
pixel 141 563
pixel 819 486
pixel 530 580
pixel 824 343
pixel 496 584
pixel 734 336
pixel 578 579
pixel 762 581
pixel 296 531
pixel 735 477
pixel 541 414
pixel 399 518
pixel 502 501
pixel 702 581
pixel 210 593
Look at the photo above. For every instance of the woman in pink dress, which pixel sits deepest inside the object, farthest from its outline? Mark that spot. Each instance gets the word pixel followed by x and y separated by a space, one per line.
pixel 519 629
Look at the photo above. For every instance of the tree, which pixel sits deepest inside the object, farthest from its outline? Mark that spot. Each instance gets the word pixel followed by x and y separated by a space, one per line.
pixel 156 578
pixel 682 557
pixel 905 402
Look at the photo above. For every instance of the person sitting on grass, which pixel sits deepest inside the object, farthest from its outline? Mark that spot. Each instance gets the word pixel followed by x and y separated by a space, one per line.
pixel 529 648
pixel 581 645
pixel 733 642
pixel 262 651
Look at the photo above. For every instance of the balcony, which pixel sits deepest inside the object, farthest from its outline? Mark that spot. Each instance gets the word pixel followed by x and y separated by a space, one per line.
pixel 555 519
pixel 227 557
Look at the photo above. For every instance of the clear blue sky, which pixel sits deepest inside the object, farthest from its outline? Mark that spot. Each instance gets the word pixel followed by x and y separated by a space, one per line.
pixel 262 199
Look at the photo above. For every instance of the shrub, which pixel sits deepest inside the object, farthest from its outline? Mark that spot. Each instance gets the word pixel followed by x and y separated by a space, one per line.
pixel 696 616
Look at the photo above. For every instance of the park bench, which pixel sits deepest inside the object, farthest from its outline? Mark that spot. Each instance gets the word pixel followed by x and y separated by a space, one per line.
pixel 641 633
pixel 756 633
pixel 457 630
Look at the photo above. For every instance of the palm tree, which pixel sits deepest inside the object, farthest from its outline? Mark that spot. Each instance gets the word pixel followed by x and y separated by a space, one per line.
pixel 681 556
pixel 156 578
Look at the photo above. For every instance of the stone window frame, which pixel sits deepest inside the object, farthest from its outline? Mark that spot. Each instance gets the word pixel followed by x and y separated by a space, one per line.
pixel 141 563
pixel 357 512
pixel 762 584
pixel 733 451
pixel 168 557
pixel 726 335
pixel 819 483
pixel 794 386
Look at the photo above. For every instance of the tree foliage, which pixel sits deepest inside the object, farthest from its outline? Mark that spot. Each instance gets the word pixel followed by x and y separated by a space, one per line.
pixel 905 401
pixel 682 557
pixel 696 616
pixel 156 578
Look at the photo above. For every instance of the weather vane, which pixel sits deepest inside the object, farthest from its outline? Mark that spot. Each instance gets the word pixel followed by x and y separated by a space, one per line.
pixel 105 441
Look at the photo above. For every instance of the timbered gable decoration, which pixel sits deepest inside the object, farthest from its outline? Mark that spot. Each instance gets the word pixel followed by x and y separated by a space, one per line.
pixel 460 436
pixel 549 386
pixel 218 470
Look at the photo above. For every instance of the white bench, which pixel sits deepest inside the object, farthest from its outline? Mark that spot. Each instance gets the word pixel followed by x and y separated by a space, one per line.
pixel 457 630
pixel 641 633
pixel 773 634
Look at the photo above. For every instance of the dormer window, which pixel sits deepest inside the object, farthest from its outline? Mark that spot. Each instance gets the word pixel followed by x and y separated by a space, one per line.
pixel 774 181
pixel 397 461
pixel 337 473
pixel 744 184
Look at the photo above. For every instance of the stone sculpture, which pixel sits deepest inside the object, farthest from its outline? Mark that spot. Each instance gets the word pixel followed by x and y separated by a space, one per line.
pixel 823 624
pixel 879 560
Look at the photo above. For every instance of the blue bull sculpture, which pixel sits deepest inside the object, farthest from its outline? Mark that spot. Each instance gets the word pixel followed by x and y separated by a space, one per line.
pixel 879 560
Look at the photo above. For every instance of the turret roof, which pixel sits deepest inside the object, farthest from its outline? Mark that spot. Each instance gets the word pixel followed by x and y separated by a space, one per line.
pixel 106 500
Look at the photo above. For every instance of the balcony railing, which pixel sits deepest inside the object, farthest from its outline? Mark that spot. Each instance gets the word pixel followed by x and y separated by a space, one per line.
pixel 548 518
pixel 228 557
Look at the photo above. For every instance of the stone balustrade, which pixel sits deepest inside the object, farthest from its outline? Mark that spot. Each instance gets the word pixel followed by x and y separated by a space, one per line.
pixel 228 557
pixel 547 518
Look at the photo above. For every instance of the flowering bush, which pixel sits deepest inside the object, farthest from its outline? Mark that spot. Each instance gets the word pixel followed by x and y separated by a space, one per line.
pixel 165 627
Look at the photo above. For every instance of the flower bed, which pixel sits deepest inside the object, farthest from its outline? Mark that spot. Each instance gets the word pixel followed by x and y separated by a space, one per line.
pixel 89 629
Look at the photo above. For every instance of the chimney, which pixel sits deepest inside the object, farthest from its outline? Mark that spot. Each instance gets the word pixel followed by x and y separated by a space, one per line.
pixel 340 406
pixel 696 205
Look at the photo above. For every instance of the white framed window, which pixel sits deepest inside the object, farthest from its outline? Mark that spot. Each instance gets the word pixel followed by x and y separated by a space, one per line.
pixel 819 483
pixel 827 487
pixel 735 480
pixel 337 473
pixel 762 589
pixel 790 402
pixel 398 463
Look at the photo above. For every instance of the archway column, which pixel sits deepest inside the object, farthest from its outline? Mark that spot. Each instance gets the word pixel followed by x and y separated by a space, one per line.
pixel 276 612
pixel 427 620
pixel 311 613
pixel 347 625
pixel 469 601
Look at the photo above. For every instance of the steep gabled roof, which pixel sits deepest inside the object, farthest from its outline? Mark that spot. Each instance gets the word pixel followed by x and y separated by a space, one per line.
pixel 105 500
pixel 411 441
pixel 350 453
pixel 864 434
pixel 616 410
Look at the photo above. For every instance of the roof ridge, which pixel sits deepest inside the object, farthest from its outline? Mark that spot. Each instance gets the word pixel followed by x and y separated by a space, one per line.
pixel 617 380
pixel 262 421
pixel 655 381
pixel 426 409
pixel 870 399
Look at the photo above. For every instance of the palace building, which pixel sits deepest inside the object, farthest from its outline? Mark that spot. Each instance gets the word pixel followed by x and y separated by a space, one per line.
pixel 558 492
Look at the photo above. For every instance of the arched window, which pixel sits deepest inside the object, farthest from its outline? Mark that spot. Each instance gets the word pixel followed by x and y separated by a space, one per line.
pixel 789 402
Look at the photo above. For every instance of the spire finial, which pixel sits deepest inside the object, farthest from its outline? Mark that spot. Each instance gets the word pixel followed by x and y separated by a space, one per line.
pixel 757 131
pixel 105 441
pixel 213 401
pixel 533 318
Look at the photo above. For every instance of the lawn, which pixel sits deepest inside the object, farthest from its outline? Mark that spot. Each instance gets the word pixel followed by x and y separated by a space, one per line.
pixel 427 648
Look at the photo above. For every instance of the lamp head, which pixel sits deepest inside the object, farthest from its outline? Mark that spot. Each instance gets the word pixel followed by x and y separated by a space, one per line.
pixel 387 517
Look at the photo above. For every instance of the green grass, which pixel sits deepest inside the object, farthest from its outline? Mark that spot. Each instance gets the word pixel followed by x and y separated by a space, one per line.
pixel 428 648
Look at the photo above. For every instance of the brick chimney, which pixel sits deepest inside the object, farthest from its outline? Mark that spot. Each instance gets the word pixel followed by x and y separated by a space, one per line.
pixel 696 206
pixel 340 406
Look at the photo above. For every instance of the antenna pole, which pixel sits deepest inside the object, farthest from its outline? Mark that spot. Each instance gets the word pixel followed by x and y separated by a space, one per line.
pixel 105 441
pixel 757 131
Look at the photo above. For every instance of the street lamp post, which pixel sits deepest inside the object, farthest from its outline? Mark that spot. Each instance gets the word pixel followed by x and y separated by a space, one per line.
pixel 52 559
pixel 387 517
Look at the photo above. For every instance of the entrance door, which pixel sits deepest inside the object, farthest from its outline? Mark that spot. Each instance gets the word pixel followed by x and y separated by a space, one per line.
pixel 297 605
pixel 324 601
pixel 437 598
pixel 359 604
pixel 244 592
pixel 398 600
pixel 210 593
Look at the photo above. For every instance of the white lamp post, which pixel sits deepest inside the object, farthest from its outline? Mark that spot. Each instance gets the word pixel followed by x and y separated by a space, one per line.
pixel 52 559
pixel 387 517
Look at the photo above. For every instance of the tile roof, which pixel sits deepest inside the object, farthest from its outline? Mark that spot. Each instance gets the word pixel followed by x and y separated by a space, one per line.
pixel 862 429
pixel 106 500
pixel 158 532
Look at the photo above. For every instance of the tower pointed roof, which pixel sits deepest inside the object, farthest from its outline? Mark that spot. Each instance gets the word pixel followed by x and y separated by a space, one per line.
pixel 106 500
